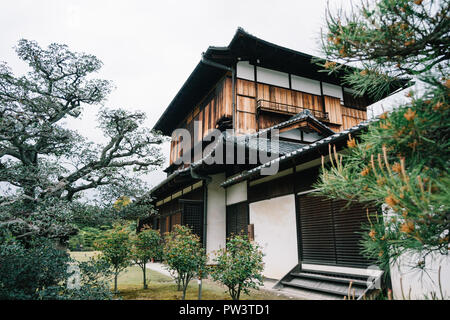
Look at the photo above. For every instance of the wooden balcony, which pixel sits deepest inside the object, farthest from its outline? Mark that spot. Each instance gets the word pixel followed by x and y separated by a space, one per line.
pixel 281 108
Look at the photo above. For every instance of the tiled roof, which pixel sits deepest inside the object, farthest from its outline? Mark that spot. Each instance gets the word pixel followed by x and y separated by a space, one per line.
pixel 169 178
pixel 296 153
pixel 304 115
pixel 263 144
pixel 256 142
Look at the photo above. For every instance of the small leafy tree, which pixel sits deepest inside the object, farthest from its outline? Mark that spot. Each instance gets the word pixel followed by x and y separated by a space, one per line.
pixel 239 266
pixel 184 255
pixel 122 202
pixel 115 248
pixel 146 245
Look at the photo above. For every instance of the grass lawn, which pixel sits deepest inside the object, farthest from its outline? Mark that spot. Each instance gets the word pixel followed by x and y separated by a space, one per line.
pixel 83 255
pixel 162 287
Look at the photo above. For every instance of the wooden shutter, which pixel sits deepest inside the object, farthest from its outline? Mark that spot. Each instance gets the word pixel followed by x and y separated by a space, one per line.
pixel 316 231
pixel 237 219
pixel 193 217
pixel 175 219
pixel 163 225
pixel 330 231
pixel 168 224
pixel 347 227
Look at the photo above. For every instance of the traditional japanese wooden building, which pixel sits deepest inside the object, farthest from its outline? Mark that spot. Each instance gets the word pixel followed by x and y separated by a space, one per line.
pixel 252 87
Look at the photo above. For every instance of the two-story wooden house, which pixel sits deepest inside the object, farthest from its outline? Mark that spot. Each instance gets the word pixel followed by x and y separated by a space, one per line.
pixel 252 87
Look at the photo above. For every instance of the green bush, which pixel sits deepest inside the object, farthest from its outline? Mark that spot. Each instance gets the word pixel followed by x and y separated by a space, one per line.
pixel 30 273
pixel 86 238
pixel 239 266
pixel 40 271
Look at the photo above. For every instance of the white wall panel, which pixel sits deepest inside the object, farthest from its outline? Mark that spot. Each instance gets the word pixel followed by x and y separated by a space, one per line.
pixel 237 193
pixel 245 70
pixel 332 90
pixel 275 231
pixel 216 215
pixel 276 78
pixel 415 284
pixel 305 85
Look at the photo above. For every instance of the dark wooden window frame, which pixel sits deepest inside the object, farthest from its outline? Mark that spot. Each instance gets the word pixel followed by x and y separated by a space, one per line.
pixel 199 227
pixel 230 207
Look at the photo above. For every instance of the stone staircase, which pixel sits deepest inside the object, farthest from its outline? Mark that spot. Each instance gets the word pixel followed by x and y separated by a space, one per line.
pixel 327 285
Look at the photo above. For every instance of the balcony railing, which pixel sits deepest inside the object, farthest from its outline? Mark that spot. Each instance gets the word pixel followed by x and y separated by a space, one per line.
pixel 265 105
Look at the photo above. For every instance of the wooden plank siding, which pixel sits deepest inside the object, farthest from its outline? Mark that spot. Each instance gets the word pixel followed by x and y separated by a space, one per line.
pixel 245 88
pixel 351 117
pixel 171 212
pixel 292 183
pixel 246 91
pixel 271 189
pixel 245 114
pixel 245 106
pixel 217 104
pixel 355 102
pixel 290 97
pixel 267 120
pixel 333 107
pixel 247 119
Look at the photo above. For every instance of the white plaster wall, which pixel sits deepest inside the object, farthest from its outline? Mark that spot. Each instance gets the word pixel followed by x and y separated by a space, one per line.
pixel 275 231
pixel 305 85
pixel 417 284
pixel 216 215
pixel 272 77
pixel 332 90
pixel 237 193
pixel 245 70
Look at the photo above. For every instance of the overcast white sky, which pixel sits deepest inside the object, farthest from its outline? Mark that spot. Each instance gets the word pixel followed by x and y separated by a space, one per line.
pixel 149 48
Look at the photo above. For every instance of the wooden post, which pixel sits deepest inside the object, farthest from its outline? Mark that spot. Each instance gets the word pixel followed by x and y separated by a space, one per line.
pixel 251 232
pixel 200 289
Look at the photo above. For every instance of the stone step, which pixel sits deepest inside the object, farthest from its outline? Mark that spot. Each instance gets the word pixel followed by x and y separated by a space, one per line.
pixel 334 288
pixel 330 278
